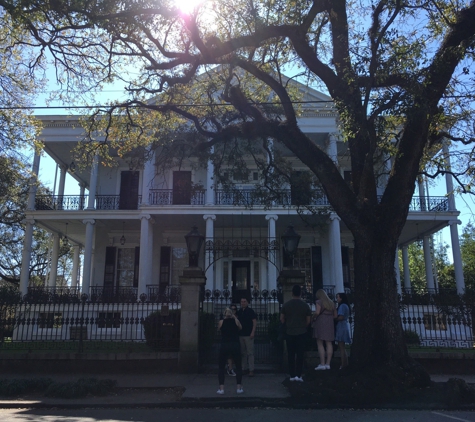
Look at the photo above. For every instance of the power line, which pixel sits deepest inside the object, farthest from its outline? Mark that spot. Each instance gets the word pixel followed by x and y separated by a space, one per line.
pixel 158 105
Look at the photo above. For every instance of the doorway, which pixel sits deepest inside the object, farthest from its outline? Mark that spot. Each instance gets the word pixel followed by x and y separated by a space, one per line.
pixel 241 278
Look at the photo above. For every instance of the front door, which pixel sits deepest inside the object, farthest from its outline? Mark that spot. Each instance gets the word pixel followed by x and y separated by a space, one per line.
pixel 241 273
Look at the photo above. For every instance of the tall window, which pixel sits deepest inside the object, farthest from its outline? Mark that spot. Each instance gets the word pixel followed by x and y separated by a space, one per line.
pixel 179 262
pixel 125 267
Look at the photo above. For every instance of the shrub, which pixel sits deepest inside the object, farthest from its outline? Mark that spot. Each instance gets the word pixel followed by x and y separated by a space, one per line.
pixel 13 387
pixel 207 330
pixel 161 331
pixel 412 337
pixel 81 388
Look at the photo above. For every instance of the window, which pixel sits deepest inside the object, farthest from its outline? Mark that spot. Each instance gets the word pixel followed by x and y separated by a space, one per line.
pixel 125 267
pixel 50 320
pixel 108 320
pixel 179 262
pixel 435 322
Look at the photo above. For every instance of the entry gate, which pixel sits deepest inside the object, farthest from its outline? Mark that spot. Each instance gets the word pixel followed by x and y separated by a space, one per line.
pixel 267 348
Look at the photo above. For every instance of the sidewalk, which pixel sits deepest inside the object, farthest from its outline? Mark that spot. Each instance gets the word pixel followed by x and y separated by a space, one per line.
pixel 174 390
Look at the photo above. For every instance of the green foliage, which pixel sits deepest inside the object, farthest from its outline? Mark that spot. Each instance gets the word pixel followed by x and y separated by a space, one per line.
pixel 467 248
pixel 207 330
pixel 412 338
pixel 162 330
pixel 16 386
pixel 81 388
pixel 273 328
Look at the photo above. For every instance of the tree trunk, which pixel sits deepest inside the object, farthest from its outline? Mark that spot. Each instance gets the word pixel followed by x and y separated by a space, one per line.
pixel 379 344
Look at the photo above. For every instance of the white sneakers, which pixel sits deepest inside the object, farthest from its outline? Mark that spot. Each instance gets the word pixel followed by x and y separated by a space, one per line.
pixel 299 379
pixel 239 391
pixel 322 367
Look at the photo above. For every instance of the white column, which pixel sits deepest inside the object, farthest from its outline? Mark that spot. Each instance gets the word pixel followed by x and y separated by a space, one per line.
pixel 87 272
pixel 209 255
pixel 82 199
pixel 332 151
pixel 209 184
pixel 93 186
pixel 422 193
pixel 26 256
pixel 75 271
pixel 147 180
pixel 54 261
pixel 398 272
pixel 405 264
pixel 449 183
pixel 271 282
pixel 428 264
pixel 146 254
pixel 457 257
pixel 33 180
pixel 335 254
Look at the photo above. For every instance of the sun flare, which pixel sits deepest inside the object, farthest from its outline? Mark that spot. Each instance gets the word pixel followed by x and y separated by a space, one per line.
pixel 188 6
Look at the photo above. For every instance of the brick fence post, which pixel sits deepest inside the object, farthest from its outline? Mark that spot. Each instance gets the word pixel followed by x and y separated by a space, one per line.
pixel 192 283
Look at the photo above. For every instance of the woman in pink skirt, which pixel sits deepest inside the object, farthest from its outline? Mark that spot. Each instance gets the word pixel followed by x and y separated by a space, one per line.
pixel 324 328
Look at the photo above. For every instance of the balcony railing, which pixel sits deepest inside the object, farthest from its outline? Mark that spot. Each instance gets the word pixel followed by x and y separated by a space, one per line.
pixel 235 197
pixel 169 197
pixel 78 203
pixel 60 202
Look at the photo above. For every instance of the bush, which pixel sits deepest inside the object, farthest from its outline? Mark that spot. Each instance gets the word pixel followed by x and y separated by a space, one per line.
pixel 412 337
pixel 81 388
pixel 162 331
pixel 207 330
pixel 14 387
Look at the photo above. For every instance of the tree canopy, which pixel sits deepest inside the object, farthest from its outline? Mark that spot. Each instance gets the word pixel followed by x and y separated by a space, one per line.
pixel 399 74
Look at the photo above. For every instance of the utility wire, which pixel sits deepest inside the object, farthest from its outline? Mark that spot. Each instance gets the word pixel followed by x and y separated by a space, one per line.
pixel 138 106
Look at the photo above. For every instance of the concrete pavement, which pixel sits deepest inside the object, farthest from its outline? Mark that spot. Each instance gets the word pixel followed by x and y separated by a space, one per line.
pixel 174 390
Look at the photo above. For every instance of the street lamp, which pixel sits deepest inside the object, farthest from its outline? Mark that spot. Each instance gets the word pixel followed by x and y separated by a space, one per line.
pixel 291 241
pixel 194 240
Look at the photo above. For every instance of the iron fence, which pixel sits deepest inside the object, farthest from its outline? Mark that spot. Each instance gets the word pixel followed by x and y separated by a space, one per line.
pixel 82 325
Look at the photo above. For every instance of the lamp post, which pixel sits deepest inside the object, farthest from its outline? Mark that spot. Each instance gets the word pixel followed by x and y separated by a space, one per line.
pixel 291 241
pixel 194 241
pixel 289 275
pixel 192 284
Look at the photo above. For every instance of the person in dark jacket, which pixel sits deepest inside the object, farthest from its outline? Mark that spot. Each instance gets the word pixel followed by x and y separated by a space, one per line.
pixel 230 347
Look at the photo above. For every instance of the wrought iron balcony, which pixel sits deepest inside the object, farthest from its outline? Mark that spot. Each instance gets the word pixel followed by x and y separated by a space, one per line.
pixel 170 197
pixel 78 203
pixel 235 197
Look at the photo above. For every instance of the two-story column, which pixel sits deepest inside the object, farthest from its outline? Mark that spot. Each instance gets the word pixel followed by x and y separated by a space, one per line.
pixel 454 234
pixel 82 199
pixel 209 254
pixel 336 266
pixel 146 253
pixel 75 270
pixel 147 180
pixel 29 223
pixel 457 257
pixel 405 264
pixel 271 282
pixel 210 200
pixel 93 183
pixel 62 183
pixel 332 150
pixel 26 256
pixel 88 248
pixel 428 264
pixel 54 261
pixel 398 272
